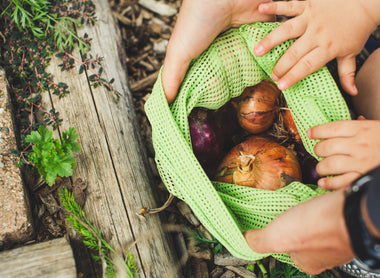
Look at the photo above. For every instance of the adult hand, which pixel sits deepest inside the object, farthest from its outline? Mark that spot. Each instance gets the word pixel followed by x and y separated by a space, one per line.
pixel 326 29
pixel 199 22
pixel 350 148
pixel 313 233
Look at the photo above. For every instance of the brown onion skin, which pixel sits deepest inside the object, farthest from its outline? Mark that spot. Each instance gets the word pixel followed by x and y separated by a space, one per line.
pixel 273 167
pixel 290 125
pixel 257 107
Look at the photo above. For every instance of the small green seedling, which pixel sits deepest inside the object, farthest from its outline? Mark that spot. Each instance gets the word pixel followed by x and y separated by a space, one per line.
pixel 52 158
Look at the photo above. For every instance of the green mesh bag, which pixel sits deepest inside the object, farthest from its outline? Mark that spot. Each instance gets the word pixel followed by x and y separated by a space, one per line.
pixel 219 74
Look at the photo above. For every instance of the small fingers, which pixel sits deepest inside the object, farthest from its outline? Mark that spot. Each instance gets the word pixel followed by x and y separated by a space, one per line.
pixel 345 128
pixel 291 8
pixel 290 29
pixel 337 164
pixel 303 66
pixel 338 182
pixel 346 71
pixel 332 146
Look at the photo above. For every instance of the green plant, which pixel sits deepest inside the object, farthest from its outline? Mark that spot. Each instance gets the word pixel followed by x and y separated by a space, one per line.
pixel 203 242
pixel 283 270
pixel 52 158
pixel 92 237
pixel 262 269
pixel 37 17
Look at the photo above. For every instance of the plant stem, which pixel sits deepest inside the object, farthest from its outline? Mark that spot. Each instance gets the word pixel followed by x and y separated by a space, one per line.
pixel 100 242
pixel 263 269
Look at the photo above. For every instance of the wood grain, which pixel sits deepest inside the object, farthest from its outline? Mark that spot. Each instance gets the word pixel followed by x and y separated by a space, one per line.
pixel 113 160
pixel 53 258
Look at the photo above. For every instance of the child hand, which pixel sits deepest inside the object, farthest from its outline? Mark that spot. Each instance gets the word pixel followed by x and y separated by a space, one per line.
pixel 326 29
pixel 350 149
pixel 199 22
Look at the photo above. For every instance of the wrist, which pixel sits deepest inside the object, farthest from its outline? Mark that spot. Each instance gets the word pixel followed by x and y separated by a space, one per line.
pixel 364 244
pixel 374 231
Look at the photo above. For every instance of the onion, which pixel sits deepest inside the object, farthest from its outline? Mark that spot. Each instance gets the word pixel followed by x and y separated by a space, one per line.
pixel 207 137
pixel 257 107
pixel 261 163
pixel 290 125
pixel 308 165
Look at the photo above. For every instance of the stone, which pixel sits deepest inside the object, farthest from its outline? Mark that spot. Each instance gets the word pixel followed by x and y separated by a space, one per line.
pixel 15 211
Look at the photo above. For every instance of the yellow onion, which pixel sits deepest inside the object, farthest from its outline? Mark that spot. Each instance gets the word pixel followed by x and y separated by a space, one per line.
pixel 290 125
pixel 257 107
pixel 261 163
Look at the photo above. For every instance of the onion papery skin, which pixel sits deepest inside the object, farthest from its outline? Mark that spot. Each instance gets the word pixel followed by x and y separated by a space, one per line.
pixel 257 107
pixel 272 166
pixel 290 125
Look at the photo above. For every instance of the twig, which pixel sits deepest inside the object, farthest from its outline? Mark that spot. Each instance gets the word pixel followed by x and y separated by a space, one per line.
pixel 145 82
pixel 147 211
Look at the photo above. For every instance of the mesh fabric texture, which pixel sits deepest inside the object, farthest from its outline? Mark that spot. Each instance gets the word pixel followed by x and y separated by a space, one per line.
pixel 220 73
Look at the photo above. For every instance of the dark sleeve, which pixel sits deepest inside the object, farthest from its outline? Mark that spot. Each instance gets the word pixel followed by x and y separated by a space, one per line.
pixel 373 198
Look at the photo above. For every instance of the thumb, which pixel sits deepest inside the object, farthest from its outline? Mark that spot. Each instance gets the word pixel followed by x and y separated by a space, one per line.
pixel 256 240
pixel 264 241
pixel 173 73
pixel 346 71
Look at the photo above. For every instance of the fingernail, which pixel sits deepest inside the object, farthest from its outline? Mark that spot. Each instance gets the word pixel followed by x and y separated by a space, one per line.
pixel 308 133
pixel 282 85
pixel 259 50
pixel 263 7
pixel 322 183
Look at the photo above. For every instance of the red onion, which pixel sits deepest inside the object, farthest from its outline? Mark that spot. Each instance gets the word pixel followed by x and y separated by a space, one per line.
pixel 308 165
pixel 206 137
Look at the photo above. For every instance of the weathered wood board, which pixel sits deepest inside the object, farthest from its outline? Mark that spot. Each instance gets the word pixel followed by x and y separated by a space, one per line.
pixel 52 258
pixel 113 160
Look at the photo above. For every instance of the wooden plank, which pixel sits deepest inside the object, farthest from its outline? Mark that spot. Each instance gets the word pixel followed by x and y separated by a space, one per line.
pixel 113 159
pixel 52 258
